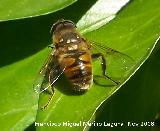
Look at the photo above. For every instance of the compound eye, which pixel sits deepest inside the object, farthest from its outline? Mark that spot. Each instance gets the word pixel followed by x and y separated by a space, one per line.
pixel 56 26
pixel 62 24
pixel 69 24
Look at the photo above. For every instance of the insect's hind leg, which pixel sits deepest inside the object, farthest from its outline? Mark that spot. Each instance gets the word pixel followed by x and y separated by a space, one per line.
pixel 103 64
pixel 51 92
pixel 53 76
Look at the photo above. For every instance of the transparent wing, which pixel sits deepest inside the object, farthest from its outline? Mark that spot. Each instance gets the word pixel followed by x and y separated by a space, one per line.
pixel 48 74
pixel 109 51
pixel 116 61
pixel 52 77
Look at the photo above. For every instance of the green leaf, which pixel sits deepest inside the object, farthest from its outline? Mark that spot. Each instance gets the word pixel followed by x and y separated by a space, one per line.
pixel 137 101
pixel 15 9
pixel 104 9
pixel 133 32
pixel 20 40
pixel 18 101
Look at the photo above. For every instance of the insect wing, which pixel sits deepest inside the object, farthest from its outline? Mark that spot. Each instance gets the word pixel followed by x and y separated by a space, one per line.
pixel 44 79
pixel 117 62
pixel 41 81
pixel 52 77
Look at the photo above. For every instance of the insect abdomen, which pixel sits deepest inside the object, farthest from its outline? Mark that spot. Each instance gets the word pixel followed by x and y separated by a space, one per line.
pixel 79 71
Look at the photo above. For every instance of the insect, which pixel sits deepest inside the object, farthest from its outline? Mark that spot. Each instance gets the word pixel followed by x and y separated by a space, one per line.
pixel 72 56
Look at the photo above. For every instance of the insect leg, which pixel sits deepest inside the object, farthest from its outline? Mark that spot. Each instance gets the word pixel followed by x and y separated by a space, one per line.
pixel 51 92
pixel 103 64
pixel 53 76
pixel 51 46
pixel 49 99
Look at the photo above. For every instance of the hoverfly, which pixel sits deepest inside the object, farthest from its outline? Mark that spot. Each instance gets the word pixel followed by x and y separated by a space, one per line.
pixel 72 56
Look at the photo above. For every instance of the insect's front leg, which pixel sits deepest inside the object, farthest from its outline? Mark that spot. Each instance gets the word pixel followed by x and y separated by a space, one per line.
pixel 103 64
pixel 51 46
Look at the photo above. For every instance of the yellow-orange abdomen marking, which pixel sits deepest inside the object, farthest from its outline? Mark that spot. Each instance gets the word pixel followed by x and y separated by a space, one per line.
pixel 78 70
pixel 80 74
